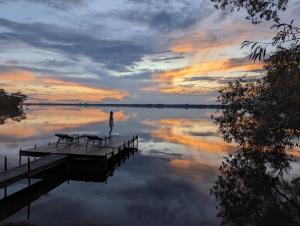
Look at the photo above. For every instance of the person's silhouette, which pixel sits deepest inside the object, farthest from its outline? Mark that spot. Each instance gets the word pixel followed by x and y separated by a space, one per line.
pixel 111 122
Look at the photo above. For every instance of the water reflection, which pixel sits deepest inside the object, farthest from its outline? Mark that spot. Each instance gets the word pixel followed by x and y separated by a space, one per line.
pixel 168 183
pixel 49 120
pixel 251 191
pixel 198 135
pixel 15 114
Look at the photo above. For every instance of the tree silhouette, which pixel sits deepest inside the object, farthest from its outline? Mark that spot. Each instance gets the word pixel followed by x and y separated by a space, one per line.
pixel 262 117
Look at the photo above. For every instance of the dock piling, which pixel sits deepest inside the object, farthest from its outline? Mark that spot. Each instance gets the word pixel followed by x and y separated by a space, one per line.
pixel 120 157
pixel 20 156
pixel 28 171
pixel 113 157
pixel 5 163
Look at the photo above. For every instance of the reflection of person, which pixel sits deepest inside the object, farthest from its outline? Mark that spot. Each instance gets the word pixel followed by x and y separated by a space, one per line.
pixel 111 122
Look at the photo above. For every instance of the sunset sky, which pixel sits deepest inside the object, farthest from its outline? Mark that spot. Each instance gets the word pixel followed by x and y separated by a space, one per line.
pixel 129 51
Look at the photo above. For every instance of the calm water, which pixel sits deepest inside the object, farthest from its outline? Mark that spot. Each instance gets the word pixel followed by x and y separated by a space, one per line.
pixel 166 183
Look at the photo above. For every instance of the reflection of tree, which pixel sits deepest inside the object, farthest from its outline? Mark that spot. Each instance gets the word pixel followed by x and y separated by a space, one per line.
pixel 11 106
pixel 263 118
pixel 251 192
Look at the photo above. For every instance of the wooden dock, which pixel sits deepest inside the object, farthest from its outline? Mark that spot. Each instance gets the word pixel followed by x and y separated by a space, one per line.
pixel 108 148
pixel 30 169
pixel 58 163
pixel 98 156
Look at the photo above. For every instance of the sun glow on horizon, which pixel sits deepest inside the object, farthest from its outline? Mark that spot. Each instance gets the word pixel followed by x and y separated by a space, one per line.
pixel 44 88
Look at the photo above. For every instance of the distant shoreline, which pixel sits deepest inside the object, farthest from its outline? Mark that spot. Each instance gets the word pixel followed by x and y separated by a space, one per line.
pixel 184 106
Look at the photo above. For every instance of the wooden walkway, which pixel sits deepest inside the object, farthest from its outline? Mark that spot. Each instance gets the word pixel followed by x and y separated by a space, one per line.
pixel 27 170
pixel 107 149
pixel 104 155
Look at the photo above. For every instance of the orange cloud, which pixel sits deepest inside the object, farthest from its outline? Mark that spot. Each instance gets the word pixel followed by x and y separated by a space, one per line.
pixel 173 81
pixel 206 50
pixel 47 89
pixel 216 40
pixel 205 67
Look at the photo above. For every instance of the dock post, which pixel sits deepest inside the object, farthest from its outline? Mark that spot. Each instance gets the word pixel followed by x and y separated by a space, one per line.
pixel 128 150
pixel 133 142
pixel 28 211
pixel 124 148
pixel 68 170
pixel 5 163
pixel 119 152
pixel 113 157
pixel 105 167
pixel 28 172
pixel 20 156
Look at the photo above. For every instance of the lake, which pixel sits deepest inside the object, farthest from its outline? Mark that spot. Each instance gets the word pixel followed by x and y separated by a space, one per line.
pixel 167 183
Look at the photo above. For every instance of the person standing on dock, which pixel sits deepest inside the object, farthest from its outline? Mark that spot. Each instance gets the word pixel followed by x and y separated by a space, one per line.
pixel 111 122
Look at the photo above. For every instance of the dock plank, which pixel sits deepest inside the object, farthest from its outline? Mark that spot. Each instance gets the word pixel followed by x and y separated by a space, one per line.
pixel 13 175
pixel 104 150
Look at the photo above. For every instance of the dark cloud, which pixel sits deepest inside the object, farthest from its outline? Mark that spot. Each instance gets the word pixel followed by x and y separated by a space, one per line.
pixel 114 54
pixel 57 4
pixel 11 68
pixel 201 78
pixel 139 76
pixel 167 59
pixel 201 134
pixel 56 63
pixel 219 79
pixel 165 15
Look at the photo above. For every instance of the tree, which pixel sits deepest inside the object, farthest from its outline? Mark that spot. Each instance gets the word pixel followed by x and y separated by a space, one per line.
pixel 262 117
pixel 257 10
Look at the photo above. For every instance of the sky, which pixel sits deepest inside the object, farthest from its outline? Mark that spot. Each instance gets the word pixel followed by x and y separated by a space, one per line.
pixel 126 51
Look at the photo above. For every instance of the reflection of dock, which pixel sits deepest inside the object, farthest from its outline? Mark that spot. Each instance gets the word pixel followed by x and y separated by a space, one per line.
pixel 57 165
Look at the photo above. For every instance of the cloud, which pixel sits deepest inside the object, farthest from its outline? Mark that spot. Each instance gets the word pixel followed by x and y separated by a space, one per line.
pixel 182 81
pixel 216 37
pixel 57 4
pixel 167 58
pixel 47 89
pixel 113 54
pixel 222 79
pixel 165 16
pixel 207 67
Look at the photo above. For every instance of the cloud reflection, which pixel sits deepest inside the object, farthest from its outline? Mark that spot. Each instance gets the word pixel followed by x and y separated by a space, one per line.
pixel 174 130
pixel 50 120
